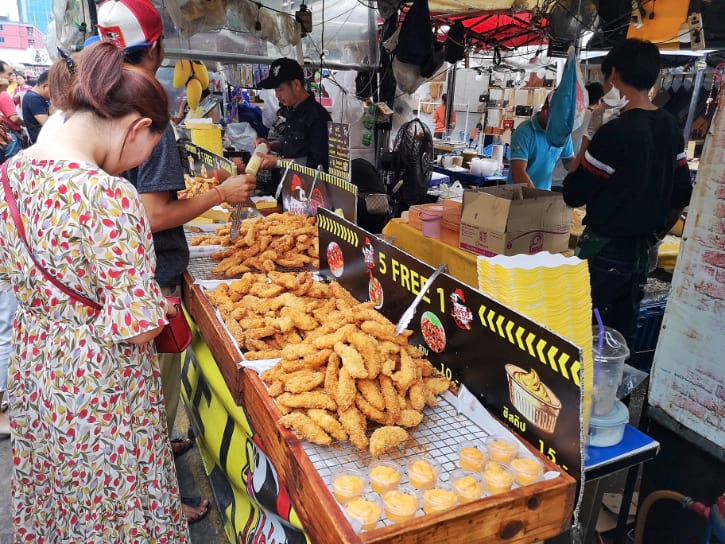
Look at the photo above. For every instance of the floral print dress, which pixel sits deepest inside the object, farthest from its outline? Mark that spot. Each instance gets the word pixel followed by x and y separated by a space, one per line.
pixel 92 460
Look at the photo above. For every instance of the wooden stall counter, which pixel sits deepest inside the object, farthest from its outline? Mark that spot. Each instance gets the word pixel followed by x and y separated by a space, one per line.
pixel 523 515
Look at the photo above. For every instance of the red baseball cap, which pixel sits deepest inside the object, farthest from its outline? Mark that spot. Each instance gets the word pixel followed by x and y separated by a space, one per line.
pixel 129 23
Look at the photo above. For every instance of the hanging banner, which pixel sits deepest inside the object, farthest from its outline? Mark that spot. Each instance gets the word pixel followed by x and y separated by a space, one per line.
pixel 521 372
pixel 305 189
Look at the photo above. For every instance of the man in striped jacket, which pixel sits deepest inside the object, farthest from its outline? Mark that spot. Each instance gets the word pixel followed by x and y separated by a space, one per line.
pixel 632 175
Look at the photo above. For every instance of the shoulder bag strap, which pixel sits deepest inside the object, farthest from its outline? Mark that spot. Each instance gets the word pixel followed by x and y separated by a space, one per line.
pixel 10 199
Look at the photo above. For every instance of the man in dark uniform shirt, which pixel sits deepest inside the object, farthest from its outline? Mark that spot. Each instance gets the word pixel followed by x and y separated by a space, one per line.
pixel 305 135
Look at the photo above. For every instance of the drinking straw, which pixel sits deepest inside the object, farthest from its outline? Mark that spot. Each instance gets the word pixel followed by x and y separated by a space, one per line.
pixel 600 338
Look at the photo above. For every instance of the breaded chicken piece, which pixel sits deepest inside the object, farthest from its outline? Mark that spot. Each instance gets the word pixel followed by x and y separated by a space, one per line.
pixel 370 390
pixel 386 438
pixel 305 428
pixel 309 399
pixel 410 418
pixel 303 380
pixel 355 426
pixel 329 423
pixel 332 373
pixel 346 389
pixel 351 360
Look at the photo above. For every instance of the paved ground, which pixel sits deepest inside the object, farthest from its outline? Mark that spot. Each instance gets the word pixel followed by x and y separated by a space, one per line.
pixel 192 480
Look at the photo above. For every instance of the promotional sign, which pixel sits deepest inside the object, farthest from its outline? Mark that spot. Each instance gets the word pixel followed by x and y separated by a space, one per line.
pixel 253 503
pixel 199 162
pixel 523 373
pixel 304 190
pixel 338 137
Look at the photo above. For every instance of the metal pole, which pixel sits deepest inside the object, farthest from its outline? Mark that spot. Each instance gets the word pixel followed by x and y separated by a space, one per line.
pixel 700 65
pixel 450 95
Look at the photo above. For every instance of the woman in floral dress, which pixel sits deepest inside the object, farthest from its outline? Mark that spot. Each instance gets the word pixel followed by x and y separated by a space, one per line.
pixel 92 461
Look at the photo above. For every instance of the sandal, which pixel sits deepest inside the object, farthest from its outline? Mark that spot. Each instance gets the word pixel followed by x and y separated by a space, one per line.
pixel 194 503
pixel 179 446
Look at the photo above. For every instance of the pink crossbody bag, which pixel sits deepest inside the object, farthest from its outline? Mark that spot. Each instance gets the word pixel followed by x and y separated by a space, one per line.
pixel 175 336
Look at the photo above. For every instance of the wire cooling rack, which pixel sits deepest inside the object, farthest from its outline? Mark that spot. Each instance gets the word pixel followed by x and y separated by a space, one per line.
pixel 438 437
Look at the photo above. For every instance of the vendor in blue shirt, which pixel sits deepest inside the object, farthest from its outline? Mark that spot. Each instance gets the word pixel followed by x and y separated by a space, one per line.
pixel 533 158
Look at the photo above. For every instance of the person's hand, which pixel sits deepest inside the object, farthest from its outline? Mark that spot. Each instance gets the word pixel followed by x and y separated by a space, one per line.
pixel 237 189
pixel 269 161
pixel 258 141
pixel 596 121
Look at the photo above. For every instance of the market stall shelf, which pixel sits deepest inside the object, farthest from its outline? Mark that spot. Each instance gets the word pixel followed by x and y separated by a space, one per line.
pixel 522 515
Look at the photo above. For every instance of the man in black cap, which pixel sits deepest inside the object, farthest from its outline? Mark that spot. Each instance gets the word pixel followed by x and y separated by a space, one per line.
pixel 305 134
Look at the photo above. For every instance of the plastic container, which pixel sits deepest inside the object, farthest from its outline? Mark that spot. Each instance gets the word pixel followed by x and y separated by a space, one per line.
pixel 255 161
pixel 468 485
pixel 472 455
pixel 423 472
pixel 439 499
pixel 527 470
pixel 502 448
pixel 431 221
pixel 208 137
pixel 366 510
pixel 608 430
pixel 608 368
pixel 384 476
pixel 348 484
pixel 401 504
pixel 497 478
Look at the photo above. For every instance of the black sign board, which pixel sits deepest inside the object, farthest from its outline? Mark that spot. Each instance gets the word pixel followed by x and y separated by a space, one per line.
pixel 304 190
pixel 202 163
pixel 338 138
pixel 522 372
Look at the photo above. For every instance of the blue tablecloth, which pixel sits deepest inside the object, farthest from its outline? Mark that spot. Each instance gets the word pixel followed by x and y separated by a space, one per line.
pixel 467 178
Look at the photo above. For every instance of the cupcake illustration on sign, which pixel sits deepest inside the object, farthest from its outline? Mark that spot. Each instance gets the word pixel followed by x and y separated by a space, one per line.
pixel 433 332
pixel 533 398
pixel 335 260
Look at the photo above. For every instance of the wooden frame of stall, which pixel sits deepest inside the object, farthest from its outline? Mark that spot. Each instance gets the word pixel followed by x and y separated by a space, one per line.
pixel 524 515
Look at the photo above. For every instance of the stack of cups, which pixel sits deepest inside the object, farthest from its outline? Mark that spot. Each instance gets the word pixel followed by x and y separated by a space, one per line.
pixel 609 416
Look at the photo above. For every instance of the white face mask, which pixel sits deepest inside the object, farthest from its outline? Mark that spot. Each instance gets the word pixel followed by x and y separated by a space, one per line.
pixel 614 100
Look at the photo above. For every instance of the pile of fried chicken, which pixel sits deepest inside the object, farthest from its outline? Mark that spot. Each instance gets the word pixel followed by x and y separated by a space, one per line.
pixel 342 369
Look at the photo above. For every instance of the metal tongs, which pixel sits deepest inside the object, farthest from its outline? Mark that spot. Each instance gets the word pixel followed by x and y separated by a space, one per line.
pixel 407 316
pixel 242 211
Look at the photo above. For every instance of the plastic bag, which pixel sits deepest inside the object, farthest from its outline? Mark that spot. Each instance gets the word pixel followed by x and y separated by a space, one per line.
pixel 631 378
pixel 241 136
pixel 567 104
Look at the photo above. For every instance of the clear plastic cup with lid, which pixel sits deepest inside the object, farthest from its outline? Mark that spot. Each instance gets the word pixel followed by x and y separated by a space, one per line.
pixel 347 484
pixel 384 475
pixel 527 470
pixel 439 498
pixel 610 353
pixel 467 484
pixel 472 455
pixel 423 472
pixel 502 448
pixel 366 510
pixel 401 504
pixel 497 478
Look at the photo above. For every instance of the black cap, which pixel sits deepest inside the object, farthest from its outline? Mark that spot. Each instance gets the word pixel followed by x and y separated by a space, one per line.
pixel 282 70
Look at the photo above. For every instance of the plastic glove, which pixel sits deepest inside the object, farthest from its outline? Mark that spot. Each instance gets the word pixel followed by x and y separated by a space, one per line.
pixel 596 121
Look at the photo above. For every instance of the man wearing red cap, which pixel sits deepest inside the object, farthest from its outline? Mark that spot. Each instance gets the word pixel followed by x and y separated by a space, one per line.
pixel 136 27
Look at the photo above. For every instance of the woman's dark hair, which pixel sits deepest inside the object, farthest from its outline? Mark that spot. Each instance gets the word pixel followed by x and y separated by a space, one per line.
pixel 59 81
pixel 107 86
pixel 637 62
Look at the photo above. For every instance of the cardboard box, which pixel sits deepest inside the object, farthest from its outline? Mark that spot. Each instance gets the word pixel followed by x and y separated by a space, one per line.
pixel 512 219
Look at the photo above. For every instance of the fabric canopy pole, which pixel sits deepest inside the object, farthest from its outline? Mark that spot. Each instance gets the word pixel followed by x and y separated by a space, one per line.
pixel 451 94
